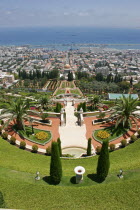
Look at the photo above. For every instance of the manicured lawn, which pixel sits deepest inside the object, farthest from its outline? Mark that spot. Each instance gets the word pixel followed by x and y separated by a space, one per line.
pixel 32 137
pixel 114 133
pixel 67 84
pixel 21 191
pixel 75 91
pixel 60 91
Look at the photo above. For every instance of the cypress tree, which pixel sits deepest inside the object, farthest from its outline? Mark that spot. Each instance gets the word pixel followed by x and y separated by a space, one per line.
pixel 55 165
pixel 103 162
pixel 59 146
pixel 84 107
pixel 89 147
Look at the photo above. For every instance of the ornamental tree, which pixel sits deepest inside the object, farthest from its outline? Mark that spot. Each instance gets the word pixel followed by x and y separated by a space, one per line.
pixel 89 147
pixel 59 146
pixel 55 165
pixel 103 162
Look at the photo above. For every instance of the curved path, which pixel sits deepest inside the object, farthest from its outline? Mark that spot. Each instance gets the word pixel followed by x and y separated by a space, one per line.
pixel 71 134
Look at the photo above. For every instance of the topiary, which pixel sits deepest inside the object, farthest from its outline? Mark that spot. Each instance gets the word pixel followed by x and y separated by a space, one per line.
pixel 59 146
pixel 4 135
pixel 138 133
pixel 22 145
pixel 89 147
pixel 103 162
pixel 48 150
pixel 123 143
pixel 133 138
pixel 34 148
pixel 98 150
pixel 55 165
pixel 112 147
pixel 13 140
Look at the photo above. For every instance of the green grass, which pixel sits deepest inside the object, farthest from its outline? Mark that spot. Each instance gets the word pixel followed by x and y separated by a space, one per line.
pixel 67 84
pixel 60 91
pixel 114 133
pixel 21 191
pixel 75 91
pixel 27 134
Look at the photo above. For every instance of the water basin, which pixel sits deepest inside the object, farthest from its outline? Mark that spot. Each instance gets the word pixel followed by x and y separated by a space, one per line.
pixel 75 151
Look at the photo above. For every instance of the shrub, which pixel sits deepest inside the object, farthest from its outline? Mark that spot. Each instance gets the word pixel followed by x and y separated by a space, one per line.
pixel 44 116
pixel 112 147
pixel 41 135
pixel 105 107
pixel 22 145
pixel 103 134
pixel 55 165
pixel 1 122
pixel 123 142
pixel 89 147
pixel 101 115
pixel 34 148
pixel 98 150
pixel 28 131
pixel 13 140
pixel 67 155
pixel 103 162
pixel 48 150
pixel 58 108
pixel 0 129
pixel 5 135
pixel 138 133
pixel 133 138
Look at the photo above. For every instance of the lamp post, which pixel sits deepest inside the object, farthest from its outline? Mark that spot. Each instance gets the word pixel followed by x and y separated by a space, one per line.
pixel 37 176
pixel 121 174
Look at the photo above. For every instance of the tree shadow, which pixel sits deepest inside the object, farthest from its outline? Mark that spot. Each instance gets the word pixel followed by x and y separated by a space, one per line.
pixel 94 178
pixel 73 180
pixel 48 180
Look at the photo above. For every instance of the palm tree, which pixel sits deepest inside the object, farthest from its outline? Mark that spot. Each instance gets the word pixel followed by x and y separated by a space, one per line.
pixel 124 111
pixel 18 112
pixel 44 101
pixel 94 101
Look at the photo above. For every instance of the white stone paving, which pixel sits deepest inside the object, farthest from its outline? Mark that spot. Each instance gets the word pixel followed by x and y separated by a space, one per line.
pixel 72 135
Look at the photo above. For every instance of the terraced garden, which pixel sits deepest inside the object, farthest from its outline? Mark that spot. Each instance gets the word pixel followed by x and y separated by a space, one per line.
pixel 66 84
pixel 17 178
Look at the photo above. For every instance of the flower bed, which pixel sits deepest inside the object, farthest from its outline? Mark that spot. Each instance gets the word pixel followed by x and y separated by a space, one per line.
pixel 103 134
pixel 114 133
pixel 42 140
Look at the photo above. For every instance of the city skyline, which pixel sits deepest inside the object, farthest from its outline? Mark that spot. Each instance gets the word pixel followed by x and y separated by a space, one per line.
pixel 27 13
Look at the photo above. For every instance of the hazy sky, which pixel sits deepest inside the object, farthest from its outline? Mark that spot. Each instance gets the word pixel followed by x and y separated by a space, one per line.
pixel 98 13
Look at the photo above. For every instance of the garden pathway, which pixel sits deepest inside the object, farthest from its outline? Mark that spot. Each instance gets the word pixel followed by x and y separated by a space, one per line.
pixel 72 135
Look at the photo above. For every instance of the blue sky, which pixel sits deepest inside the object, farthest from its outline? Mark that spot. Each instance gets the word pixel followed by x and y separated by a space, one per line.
pixel 97 13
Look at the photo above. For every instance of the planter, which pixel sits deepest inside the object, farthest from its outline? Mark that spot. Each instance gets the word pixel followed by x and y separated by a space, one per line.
pixel 79 170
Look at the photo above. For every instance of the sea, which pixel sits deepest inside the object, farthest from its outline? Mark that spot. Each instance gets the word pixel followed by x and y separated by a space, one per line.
pixel 66 38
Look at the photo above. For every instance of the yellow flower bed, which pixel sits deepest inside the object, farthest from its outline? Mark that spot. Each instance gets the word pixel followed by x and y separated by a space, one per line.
pixel 41 135
pixel 103 134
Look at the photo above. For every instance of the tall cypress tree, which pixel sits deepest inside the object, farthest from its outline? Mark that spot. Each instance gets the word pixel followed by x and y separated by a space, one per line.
pixel 59 146
pixel 55 165
pixel 103 162
pixel 89 147
pixel 84 107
